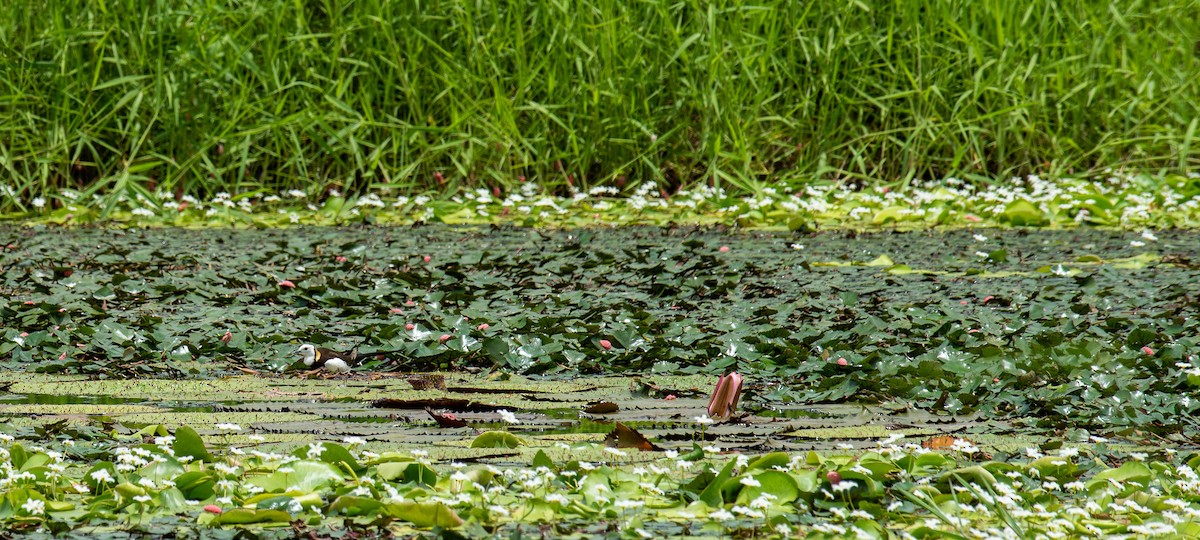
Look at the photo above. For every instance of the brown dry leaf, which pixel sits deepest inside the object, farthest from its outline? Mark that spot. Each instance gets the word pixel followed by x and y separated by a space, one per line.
pixel 624 436
pixel 602 407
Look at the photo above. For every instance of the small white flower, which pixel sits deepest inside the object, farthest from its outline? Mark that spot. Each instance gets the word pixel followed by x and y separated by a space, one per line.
pixel 35 507
pixel 508 417
pixel 102 476
pixel 615 451
pixel 229 427
pixel 39 202
pixel 844 485
pixel 703 419
pixel 750 481
pixel 980 238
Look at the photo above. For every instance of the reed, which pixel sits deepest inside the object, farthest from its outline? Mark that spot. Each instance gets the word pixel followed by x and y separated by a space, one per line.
pixel 200 96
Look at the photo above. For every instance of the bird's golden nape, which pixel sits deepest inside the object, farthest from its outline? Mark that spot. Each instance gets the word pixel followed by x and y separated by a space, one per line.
pixel 322 358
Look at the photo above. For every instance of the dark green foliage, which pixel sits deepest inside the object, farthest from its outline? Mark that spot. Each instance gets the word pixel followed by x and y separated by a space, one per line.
pixel 944 322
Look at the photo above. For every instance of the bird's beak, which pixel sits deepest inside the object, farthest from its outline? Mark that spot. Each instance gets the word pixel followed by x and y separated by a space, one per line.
pixel 299 350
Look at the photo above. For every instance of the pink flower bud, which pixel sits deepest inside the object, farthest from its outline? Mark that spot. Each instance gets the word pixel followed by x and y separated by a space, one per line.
pixel 427 258
pixel 409 327
pixel 212 509
pixel 340 259
pixel 484 326
pixel 834 477
pixel 725 396
pixel 605 344
pixel 723 249
pixel 443 338
pixel 843 362
pixel 287 284
pixel 396 311
pixel 227 338
pixel 1148 350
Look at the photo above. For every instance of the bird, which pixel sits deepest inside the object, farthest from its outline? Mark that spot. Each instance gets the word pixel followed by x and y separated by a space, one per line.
pixel 322 358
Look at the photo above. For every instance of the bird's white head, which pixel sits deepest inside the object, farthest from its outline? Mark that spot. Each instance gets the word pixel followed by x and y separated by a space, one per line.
pixel 308 353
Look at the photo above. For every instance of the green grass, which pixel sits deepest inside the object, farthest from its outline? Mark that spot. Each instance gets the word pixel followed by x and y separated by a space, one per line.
pixel 200 97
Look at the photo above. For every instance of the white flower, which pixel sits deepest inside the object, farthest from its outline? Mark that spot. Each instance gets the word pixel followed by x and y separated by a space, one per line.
pixel 229 427
pixel 39 202
pixel 721 515
pixel 142 498
pixel 844 485
pixel 980 238
pixel 315 450
pixel 703 419
pixel 144 212
pixel 750 481
pixel 35 507
pixel 102 476
pixel 508 417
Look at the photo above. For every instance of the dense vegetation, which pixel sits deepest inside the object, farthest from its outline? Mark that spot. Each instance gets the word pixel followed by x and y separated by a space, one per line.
pixel 1064 326
pixel 200 97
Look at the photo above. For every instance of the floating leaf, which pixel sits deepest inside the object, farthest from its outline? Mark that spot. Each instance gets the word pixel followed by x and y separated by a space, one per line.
pixel 496 439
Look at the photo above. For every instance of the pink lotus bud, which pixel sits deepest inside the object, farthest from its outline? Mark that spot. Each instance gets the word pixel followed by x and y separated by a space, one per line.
pixel 29 302
pixel 227 338
pixel 1145 349
pixel 670 397
pixel 396 311
pixel 843 362
pixel 725 396
pixel 409 327
pixel 427 258
pixel 340 259
pixel 287 284
pixel 834 477
pixel 213 509
pixel 484 326
pixel 24 334
pixel 410 303
pixel 443 338
pixel 605 344
pixel 723 249
pixel 972 218
pixel 62 356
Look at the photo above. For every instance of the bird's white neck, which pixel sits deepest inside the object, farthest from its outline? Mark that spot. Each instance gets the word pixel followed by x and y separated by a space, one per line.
pixel 309 357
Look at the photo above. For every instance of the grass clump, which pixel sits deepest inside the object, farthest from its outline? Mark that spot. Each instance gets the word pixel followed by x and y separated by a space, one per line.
pixel 197 98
